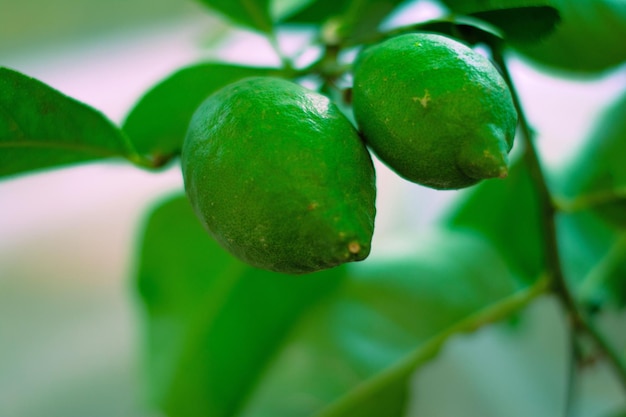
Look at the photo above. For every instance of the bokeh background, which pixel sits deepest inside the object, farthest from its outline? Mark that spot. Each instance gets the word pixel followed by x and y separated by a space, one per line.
pixel 70 322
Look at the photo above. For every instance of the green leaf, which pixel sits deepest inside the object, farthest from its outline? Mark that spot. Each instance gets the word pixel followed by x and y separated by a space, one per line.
pixel 465 30
pixel 618 413
pixel 253 14
pixel 363 17
pixel 522 24
pixel 283 9
pixel 506 212
pixel 317 11
pixel 352 19
pixel 215 323
pixel 42 128
pixel 521 21
pixel 597 178
pixel 594 258
pixel 473 6
pixel 592 191
pixel 225 339
pixel 589 39
pixel 158 122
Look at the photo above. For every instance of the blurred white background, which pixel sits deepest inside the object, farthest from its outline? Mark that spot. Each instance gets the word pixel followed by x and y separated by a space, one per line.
pixel 70 338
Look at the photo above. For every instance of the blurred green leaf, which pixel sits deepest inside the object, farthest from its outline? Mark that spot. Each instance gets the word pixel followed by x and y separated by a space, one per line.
pixel 363 17
pixel 620 413
pixel 214 322
pixel 593 258
pixel 225 339
pixel 351 19
pixel 282 9
pixel 596 180
pixel 42 128
pixel 520 20
pixel 158 123
pixel 253 14
pixel 506 212
pixel 317 11
pixel 470 33
pixel 522 24
pixel 473 6
pixel 607 280
pixel 589 39
pixel 592 191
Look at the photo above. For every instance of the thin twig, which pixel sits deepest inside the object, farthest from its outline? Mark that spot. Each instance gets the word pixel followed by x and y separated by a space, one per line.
pixel 591 200
pixel 578 318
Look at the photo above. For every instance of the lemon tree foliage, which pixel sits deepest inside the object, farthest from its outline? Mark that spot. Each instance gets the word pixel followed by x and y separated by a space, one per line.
pixel 595 259
pixel 42 128
pixel 523 25
pixel 573 45
pixel 226 339
pixel 511 221
pixel 252 14
pixel 594 195
pixel 524 21
pixel 351 19
pixel 263 157
pixel 603 185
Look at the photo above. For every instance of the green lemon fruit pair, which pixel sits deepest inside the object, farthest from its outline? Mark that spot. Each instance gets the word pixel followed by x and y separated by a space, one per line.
pixel 281 178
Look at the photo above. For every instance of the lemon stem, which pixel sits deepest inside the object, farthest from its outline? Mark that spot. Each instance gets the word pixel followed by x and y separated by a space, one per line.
pixel 579 320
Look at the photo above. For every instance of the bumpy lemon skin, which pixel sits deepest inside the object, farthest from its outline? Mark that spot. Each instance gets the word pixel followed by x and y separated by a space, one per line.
pixel 435 111
pixel 280 177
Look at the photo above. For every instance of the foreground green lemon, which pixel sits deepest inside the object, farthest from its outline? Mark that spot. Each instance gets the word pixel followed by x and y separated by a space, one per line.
pixel 433 110
pixel 279 177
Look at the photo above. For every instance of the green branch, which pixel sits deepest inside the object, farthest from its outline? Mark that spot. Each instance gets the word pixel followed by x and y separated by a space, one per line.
pixel 589 201
pixel 490 314
pixel 579 319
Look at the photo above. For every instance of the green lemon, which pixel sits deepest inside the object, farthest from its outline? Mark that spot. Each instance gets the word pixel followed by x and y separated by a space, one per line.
pixel 280 177
pixel 433 110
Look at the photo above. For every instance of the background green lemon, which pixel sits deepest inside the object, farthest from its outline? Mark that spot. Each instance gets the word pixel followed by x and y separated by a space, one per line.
pixel 436 112
pixel 279 176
